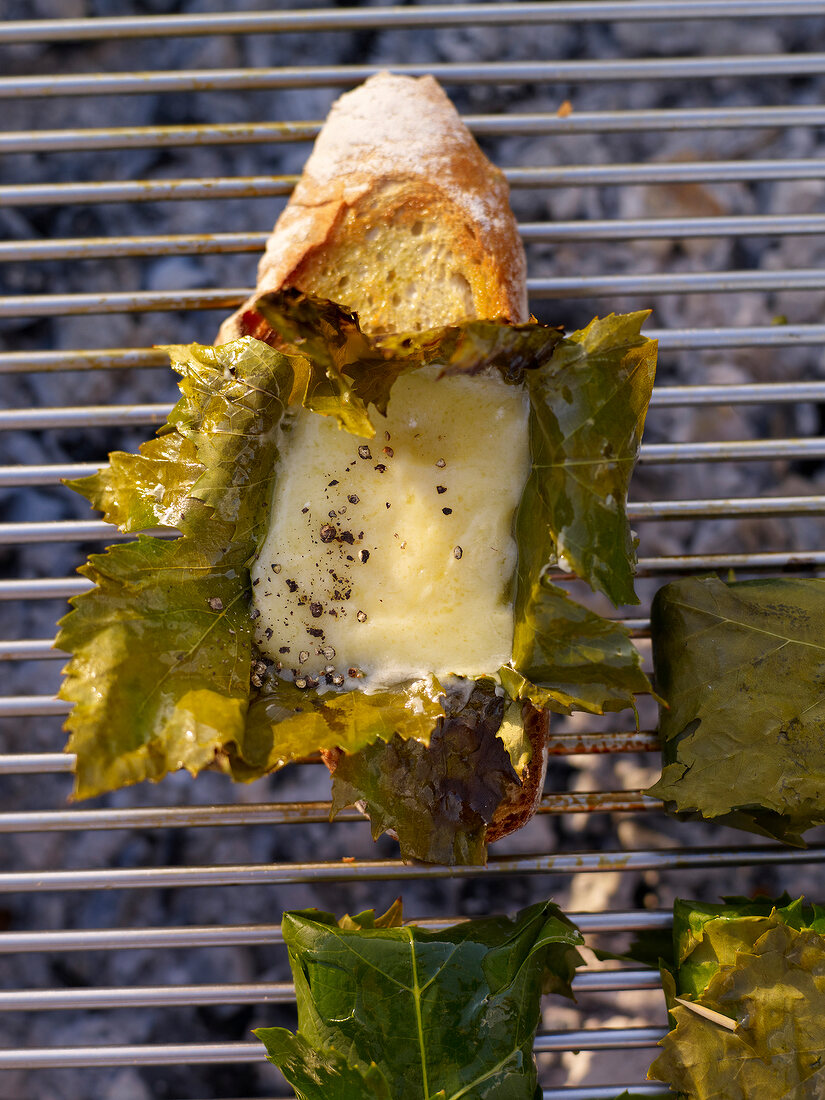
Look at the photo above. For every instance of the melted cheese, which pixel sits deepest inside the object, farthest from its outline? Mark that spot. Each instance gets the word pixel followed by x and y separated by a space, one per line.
pixel 390 558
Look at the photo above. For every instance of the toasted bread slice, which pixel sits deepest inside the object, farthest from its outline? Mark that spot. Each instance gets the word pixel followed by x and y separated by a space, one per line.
pixel 398 216
pixel 401 218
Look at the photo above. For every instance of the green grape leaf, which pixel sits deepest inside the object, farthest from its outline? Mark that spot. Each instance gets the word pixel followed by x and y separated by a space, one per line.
pixel 759 983
pixel 588 410
pixel 448 1015
pixel 742 667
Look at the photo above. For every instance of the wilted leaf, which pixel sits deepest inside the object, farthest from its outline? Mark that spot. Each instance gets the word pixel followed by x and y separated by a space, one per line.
pixel 742 667
pixel 437 798
pixel 432 1014
pixel 587 413
pixel 763 974
pixel 284 723
pixel 568 658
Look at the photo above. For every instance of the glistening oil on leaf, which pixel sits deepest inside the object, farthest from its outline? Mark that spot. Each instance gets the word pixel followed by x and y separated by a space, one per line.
pixel 402 1013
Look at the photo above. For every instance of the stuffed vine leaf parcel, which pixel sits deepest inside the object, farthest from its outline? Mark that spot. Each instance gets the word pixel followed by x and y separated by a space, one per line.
pixel 396 1012
pixel 360 531
pixel 742 667
pixel 746 995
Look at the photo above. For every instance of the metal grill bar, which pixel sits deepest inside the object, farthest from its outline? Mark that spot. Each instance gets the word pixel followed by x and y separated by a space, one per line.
pixel 90 416
pixel 43 588
pixel 488 72
pixel 669 340
pixel 258 187
pixel 279 22
pixel 65 587
pixel 109 939
pixel 693 282
pixel 607 1092
pixel 598 1038
pixel 285 813
pixel 249 133
pixel 16 476
pixel 66 531
pixel 99 531
pixel 169 996
pixel 559 863
pixel 652 454
pixel 749 450
pixel 85 359
pixel 559 744
pixel 769 393
pixel 618 229
pixel 245 1052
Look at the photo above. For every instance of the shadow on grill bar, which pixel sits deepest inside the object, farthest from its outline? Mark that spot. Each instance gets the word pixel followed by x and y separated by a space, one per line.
pixel 666 154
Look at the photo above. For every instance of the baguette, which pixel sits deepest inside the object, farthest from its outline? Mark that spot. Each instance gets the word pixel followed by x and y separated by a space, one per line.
pixel 399 217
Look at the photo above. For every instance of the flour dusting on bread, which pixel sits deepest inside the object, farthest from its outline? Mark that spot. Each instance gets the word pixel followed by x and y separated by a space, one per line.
pixel 399 216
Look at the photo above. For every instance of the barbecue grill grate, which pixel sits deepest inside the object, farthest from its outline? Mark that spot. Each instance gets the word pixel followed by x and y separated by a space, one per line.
pixel 116 182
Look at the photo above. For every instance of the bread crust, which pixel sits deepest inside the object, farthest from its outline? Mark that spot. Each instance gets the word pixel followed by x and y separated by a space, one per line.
pixel 393 147
pixel 395 153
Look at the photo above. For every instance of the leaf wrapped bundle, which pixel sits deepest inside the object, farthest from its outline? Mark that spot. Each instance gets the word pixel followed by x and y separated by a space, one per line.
pixel 746 997
pixel 164 673
pixel 742 668
pixel 395 1012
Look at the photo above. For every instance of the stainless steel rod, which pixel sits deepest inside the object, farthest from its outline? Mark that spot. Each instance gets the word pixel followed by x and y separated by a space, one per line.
pixel 21 706
pixel 286 813
pixel 66 531
pixel 246 1052
pixel 90 416
pixel 669 340
pixel 560 744
pixel 164 996
pixel 259 187
pixel 14 476
pixel 537 123
pixel 747 450
pixel 279 22
pixel 175 996
pixel 89 248
pixel 36 763
pixel 43 588
pixel 644 229
pixel 617 229
pixel 561 863
pixel 608 1092
pixel 730 508
pixel 131 1055
pixel 599 1038
pixel 153 81
pixel 652 454
pixel 30 649
pixel 229 935
pixel 65 587
pixel 688 282
pixel 698 563
pixel 83 359
pixel 693 282
pixel 140 301
pixel 768 393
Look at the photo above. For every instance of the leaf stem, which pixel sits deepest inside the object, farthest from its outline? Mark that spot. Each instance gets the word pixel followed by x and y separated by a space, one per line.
pixel 416 992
